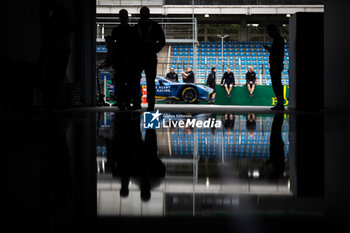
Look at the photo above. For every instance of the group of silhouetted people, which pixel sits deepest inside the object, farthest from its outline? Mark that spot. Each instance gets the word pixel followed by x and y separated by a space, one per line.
pixel 134 50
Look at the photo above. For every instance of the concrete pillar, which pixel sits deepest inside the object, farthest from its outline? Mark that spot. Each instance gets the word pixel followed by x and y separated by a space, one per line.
pixel 243 30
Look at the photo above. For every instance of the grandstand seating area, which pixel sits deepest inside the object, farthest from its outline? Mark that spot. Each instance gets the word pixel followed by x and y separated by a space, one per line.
pixel 237 55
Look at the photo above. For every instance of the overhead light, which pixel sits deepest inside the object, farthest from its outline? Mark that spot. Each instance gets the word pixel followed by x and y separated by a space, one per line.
pixel 287 15
pixel 129 15
pixel 255 25
pixel 206 15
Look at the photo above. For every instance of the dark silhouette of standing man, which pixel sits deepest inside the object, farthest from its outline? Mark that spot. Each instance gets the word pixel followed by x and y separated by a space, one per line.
pixel 121 58
pixel 276 64
pixel 150 40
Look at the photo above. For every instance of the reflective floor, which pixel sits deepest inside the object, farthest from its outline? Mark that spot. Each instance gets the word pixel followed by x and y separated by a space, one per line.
pixel 194 171
pixel 227 171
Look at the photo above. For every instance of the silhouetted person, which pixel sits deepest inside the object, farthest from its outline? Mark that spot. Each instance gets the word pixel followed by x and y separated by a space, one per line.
pixel 172 76
pixel 60 28
pixel 251 124
pixel 211 82
pixel 188 75
pixel 122 58
pixel 276 147
pixel 152 168
pixel 228 80
pixel 276 64
pixel 250 76
pixel 150 40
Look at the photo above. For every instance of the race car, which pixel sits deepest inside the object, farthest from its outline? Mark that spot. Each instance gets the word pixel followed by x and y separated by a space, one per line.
pixel 187 92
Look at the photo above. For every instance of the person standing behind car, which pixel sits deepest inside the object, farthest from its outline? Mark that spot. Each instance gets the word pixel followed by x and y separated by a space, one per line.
pixel 188 76
pixel 211 82
pixel 228 80
pixel 150 39
pixel 121 58
pixel 172 76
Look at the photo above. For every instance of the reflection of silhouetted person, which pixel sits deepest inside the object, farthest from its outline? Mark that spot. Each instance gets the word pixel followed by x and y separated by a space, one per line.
pixel 60 28
pixel 122 156
pixel 276 64
pixel 121 58
pixel 276 147
pixel 251 124
pixel 150 40
pixel 152 168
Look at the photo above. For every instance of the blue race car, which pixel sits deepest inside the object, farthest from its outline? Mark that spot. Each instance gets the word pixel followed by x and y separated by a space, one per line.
pixel 187 92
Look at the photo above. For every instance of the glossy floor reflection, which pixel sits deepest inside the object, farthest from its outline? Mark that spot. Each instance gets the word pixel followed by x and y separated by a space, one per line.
pixel 190 171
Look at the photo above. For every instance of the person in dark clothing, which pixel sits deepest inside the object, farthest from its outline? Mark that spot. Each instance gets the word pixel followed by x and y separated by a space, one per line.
pixel 188 76
pixel 150 39
pixel 121 57
pixel 172 76
pixel 60 29
pixel 211 82
pixel 228 80
pixel 276 64
pixel 250 76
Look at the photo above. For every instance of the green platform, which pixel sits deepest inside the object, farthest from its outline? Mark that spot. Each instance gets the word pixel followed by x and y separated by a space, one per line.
pixel 263 96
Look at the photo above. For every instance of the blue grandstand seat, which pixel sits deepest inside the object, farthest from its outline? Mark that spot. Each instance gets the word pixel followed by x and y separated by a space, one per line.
pixel 258 50
pixel 249 63
pixel 285 72
pixel 260 58
pixel 186 54
pixel 266 67
pixel 241 54
pixel 267 71
pixel 266 62
pixel 208 54
pixel 248 58
pixel 253 58
pixel 243 62
pixel 246 50
pixel 254 63
pixel 236 54
pixel 191 53
pixel 241 50
pixel 219 54
pixel 225 54
pixel 213 54
pixel 259 54
pixel 264 54
pixel 260 63
pixel 243 58
pixel 265 58
pixel 253 54
pixel 235 50
pixel 230 54
pixel 174 53
pixel 174 49
pixel 185 49
pixel 180 54
pixel 218 50
pixel 208 50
